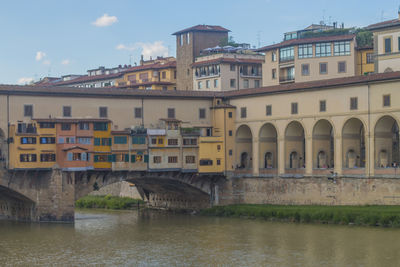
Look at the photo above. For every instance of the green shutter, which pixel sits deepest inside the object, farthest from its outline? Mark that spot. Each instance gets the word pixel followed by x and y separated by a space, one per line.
pixel 111 158
pixel 96 158
pixel 126 158
pixel 146 158
pixel 109 141
pixel 97 141
pixel 133 158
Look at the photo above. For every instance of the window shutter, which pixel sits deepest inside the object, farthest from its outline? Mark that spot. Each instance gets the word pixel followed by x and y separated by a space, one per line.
pixel 109 141
pixel 146 158
pixel 69 156
pixel 133 158
pixel 96 158
pixel 97 141
pixel 84 156
pixel 126 158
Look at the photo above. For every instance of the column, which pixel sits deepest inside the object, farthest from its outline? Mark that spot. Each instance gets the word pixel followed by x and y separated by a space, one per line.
pixel 370 155
pixel 256 157
pixel 309 155
pixel 338 154
pixel 281 155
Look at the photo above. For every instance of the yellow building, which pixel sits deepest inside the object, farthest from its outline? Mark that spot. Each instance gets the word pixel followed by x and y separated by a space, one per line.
pixel 158 74
pixel 365 60
pixel 102 145
pixel 33 145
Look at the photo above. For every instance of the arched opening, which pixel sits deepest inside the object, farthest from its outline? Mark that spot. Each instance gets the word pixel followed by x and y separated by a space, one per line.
pixel 269 160
pixel 353 144
pixel 295 146
pixel 386 139
pixel 268 146
pixel 323 145
pixel 244 147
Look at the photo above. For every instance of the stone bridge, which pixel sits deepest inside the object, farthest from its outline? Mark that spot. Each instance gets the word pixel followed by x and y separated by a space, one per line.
pixel 50 195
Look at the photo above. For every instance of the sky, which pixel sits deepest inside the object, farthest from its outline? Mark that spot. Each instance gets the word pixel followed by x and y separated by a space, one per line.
pixel 52 38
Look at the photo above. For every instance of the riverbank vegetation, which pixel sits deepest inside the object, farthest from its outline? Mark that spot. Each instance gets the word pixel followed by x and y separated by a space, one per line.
pixel 108 202
pixel 387 216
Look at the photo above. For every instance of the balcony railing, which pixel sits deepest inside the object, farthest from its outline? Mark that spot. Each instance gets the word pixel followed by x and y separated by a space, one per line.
pixel 289 78
pixel 190 131
pixel 286 59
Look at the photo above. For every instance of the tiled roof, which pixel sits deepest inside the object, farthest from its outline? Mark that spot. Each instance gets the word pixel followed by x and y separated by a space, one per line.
pixel 307 41
pixel 228 60
pixel 203 28
pixel 384 24
pixel 170 64
pixel 145 84
pixel 87 78
pixel 70 120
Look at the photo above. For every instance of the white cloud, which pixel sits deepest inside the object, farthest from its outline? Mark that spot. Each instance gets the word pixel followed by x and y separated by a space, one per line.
pixel 105 21
pixel 46 62
pixel 40 55
pixel 148 49
pixel 24 80
pixel 65 62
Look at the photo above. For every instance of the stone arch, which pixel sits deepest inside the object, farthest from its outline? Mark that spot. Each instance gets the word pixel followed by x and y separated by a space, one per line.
pixel 386 142
pixel 268 146
pixel 388 69
pixel 323 141
pixel 244 144
pixel 294 142
pixel 15 206
pixel 353 143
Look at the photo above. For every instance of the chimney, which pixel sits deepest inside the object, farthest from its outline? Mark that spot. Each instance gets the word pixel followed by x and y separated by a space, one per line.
pixel 141 60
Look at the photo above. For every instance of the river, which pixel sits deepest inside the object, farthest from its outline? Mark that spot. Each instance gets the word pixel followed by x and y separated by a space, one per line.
pixel 151 238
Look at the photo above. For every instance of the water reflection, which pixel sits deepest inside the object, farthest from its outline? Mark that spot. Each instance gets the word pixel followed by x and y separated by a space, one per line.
pixel 148 238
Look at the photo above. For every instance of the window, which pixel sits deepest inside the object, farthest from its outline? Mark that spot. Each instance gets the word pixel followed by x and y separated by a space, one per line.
pixel 103 112
pixel 163 75
pixel 206 162
pixel 141 140
pixel 232 67
pixel 256 83
pixel 47 125
pixel 28 140
pixel 269 110
pixel 69 140
pixel 341 48
pixel 28 110
pixel 273 73
pixel 230 114
pixel 106 141
pixel 172 142
pixel 187 72
pixel 156 159
pixel 65 126
pixel 202 113
pixel 47 140
pixel 208 84
pixel 353 103
pixel 245 83
pixel 322 105
pixel 305 51
pixel 172 159
pixel 230 133
pixel 47 157
pixel 341 66
pixel 386 100
pixel 200 85
pixel 62 141
pixel 189 141
pixel 323 68
pixel 153 141
pixel 208 131
pixel 370 58
pixel 119 140
pixel 305 69
pixel 243 112
pixel 233 83
pixel 84 126
pixel 190 159
pixel 323 50
pixel 138 113
pixel 100 126
pixel 171 113
pixel 218 161
pixel 160 141
pixel 215 83
pixel 101 158
pixel 27 157
pixel 174 74
pixel 66 111
pixel 286 54
pixel 273 56
pixel 294 108
pixel 388 45
pixel 84 140
pixel 230 152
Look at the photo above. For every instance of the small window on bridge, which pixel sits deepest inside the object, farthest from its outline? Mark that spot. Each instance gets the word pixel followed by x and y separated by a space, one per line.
pixel 206 162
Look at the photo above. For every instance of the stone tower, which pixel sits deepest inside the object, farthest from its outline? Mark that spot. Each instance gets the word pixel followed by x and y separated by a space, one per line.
pixel 189 43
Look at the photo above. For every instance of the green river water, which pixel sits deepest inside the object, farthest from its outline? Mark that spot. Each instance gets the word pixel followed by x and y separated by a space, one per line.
pixel 151 238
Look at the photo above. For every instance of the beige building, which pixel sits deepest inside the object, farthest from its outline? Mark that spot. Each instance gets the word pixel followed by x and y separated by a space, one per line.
pixel 309 59
pixel 189 43
pixel 227 71
pixel 386 45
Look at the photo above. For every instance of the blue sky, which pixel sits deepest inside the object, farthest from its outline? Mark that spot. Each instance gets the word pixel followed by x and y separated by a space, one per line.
pixel 42 38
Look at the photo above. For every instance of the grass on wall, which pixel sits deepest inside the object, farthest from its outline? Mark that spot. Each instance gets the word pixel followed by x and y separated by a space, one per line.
pixel 108 202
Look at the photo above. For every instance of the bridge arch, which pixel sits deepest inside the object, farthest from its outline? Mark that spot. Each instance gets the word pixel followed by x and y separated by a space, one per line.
pixel 15 206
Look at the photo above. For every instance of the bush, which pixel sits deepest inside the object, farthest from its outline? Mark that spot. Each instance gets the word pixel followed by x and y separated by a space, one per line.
pixel 107 202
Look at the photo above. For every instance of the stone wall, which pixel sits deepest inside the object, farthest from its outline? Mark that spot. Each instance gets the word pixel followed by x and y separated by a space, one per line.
pixel 119 189
pixel 310 191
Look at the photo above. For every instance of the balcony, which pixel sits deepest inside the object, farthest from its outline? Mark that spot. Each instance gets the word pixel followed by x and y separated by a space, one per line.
pixel 286 59
pixel 190 131
pixel 286 79
pixel 26 128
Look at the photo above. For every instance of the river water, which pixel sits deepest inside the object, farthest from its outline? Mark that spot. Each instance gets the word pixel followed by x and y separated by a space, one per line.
pixel 151 238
